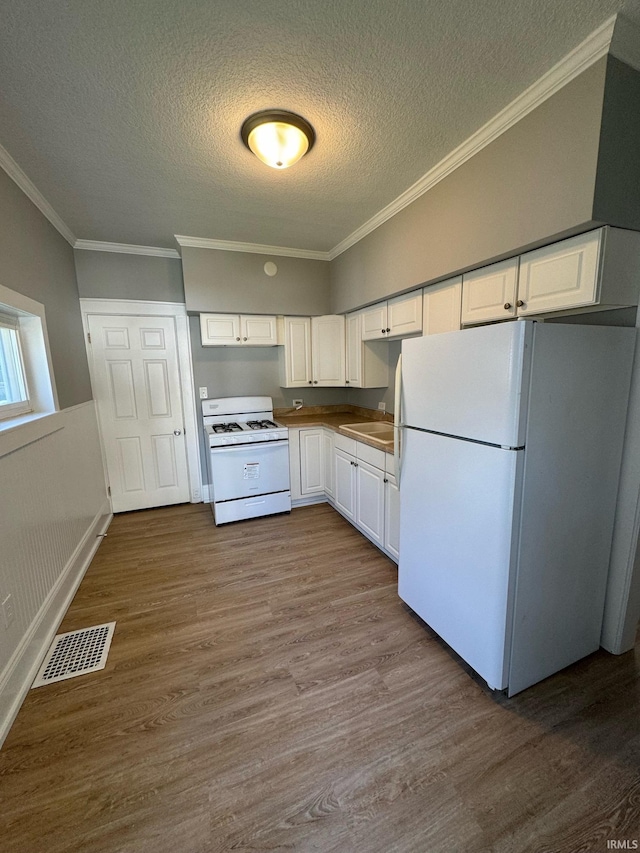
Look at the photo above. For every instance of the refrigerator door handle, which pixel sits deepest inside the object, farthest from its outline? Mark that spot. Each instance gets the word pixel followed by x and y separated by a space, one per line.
pixel 397 416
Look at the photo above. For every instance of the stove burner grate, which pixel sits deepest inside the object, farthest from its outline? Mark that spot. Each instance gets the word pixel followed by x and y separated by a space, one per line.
pixel 231 427
pixel 261 425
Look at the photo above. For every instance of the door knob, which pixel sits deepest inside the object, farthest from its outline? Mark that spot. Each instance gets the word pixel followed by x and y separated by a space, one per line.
pixel 177 432
pixel 507 306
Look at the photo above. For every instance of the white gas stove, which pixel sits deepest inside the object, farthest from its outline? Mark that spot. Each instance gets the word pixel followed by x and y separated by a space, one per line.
pixel 248 458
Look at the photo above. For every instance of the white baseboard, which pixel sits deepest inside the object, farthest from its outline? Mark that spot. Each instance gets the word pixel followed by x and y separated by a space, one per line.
pixel 310 501
pixel 25 661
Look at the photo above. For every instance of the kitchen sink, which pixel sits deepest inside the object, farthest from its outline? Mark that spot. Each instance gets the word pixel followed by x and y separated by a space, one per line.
pixel 377 430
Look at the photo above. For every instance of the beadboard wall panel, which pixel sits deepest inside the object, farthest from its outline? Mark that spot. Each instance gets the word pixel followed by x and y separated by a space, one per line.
pixel 54 510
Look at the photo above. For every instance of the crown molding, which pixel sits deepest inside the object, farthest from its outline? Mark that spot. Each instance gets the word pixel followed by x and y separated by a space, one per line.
pixel 625 44
pixel 251 248
pixel 32 192
pixel 125 249
pixel 593 48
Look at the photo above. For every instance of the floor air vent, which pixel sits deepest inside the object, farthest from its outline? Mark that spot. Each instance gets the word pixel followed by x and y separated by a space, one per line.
pixel 76 653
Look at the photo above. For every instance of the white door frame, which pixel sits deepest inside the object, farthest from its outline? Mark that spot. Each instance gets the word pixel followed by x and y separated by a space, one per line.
pixel 177 310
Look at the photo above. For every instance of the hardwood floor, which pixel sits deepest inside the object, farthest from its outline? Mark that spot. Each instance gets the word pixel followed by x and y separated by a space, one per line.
pixel 266 690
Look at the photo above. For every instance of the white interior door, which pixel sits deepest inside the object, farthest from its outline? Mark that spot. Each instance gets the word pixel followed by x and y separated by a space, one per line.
pixel 136 382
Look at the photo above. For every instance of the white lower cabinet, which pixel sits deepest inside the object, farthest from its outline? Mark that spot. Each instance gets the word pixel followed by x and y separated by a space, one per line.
pixel 328 462
pixel 391 516
pixel 312 468
pixel 357 479
pixel 306 464
pixel 345 484
pixel 365 494
pixel 370 501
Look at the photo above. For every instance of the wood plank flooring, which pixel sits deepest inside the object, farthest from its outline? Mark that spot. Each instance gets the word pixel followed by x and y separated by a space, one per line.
pixel 266 690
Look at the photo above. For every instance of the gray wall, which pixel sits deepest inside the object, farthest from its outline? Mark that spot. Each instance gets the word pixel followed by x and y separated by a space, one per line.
pixel 37 261
pixel 217 280
pixel 617 196
pixel 108 275
pixel 532 183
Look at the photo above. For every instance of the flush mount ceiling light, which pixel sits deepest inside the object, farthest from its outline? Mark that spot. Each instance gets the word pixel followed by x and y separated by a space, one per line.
pixel 278 138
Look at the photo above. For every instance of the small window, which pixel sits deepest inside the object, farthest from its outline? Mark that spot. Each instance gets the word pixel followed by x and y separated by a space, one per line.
pixel 14 394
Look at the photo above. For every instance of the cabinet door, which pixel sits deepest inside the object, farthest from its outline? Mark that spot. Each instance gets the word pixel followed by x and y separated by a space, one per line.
pixel 354 351
pixel 328 350
pixel 328 462
pixel 404 315
pixel 564 275
pixel 374 322
pixel 392 516
pixel 490 293
pixel 311 461
pixel 258 331
pixel 297 352
pixel 345 483
pixel 220 330
pixel 370 500
pixel 441 307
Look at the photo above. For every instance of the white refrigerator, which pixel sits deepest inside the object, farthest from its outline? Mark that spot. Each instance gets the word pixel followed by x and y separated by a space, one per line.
pixel 510 440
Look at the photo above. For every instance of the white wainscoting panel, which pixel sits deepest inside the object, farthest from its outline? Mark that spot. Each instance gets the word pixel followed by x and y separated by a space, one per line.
pixel 54 510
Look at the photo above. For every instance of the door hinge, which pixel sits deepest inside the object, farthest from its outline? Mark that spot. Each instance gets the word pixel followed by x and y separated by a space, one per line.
pixel 89 337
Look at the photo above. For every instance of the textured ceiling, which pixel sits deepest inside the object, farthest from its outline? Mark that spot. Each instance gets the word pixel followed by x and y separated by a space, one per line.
pixel 126 114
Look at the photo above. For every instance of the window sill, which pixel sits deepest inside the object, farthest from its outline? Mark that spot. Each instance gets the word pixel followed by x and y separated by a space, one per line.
pixel 25 429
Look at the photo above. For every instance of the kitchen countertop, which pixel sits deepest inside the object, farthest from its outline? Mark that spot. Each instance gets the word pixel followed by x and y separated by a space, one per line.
pixel 334 417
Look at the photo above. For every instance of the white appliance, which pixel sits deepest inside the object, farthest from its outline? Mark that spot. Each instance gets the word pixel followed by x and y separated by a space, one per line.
pixel 248 458
pixel 511 439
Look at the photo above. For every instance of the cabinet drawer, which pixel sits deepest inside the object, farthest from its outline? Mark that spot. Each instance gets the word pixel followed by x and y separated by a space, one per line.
pixel 372 455
pixel 343 442
pixel 390 465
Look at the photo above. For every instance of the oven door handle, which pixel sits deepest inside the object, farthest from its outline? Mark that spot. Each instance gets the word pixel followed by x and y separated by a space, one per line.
pixel 249 445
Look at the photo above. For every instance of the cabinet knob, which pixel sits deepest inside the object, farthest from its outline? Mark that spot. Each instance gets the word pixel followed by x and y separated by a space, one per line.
pixel 346 381
pixel 507 306
pixel 177 432
pixel 385 480
pixel 352 462
pixel 245 339
pixel 237 339
pixel 310 382
pixel 520 303
pixel 388 330
pixel 383 331
pixel 315 381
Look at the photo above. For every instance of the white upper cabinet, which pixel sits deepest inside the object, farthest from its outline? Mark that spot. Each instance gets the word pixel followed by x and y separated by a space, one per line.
pixel 594 271
pixel 374 322
pixel 256 330
pixel 295 356
pixel 564 275
pixel 404 315
pixel 328 350
pixel 441 306
pixel 221 330
pixel 313 352
pixel 394 318
pixel 490 293
pixel 367 361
